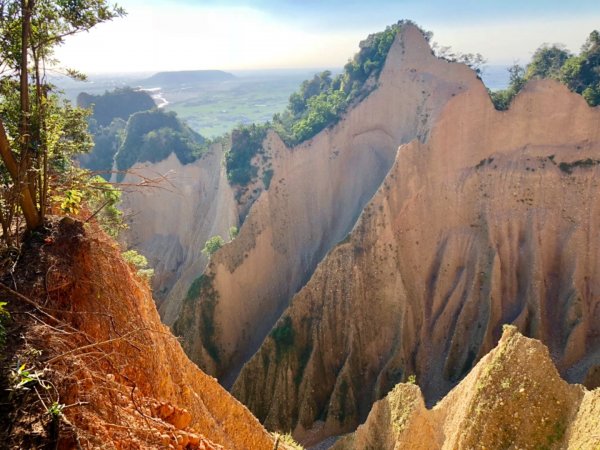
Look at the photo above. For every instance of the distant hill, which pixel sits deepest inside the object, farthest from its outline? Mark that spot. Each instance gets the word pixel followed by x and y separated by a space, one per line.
pixel 120 103
pixel 189 77
pixel 153 135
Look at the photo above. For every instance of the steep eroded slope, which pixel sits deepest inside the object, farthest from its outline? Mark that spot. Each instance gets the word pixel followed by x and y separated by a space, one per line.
pixel 494 220
pixel 513 398
pixel 97 336
pixel 170 222
pixel 317 191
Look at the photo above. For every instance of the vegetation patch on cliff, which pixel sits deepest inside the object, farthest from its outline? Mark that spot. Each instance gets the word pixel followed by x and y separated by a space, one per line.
pixel 246 143
pixel 118 104
pixel 283 336
pixel 153 135
pixel 321 101
pixel 583 163
pixel 580 73
pixel 202 291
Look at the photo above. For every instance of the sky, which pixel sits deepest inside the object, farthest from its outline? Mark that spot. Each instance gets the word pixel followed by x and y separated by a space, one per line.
pixel 160 35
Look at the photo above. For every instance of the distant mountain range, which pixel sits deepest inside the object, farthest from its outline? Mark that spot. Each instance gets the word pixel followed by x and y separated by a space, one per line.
pixel 189 77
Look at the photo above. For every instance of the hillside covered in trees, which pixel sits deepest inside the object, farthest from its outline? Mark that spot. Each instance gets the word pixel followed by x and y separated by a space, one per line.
pixel 581 72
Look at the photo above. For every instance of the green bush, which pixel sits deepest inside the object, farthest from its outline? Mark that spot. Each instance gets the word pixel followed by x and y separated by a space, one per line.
pixel 140 262
pixel 246 142
pixel 103 198
pixel 212 245
pixel 283 336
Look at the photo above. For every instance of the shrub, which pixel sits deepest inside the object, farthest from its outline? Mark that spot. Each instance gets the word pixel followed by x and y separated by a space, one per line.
pixel 283 336
pixel 246 142
pixel 233 232
pixel 140 262
pixel 212 245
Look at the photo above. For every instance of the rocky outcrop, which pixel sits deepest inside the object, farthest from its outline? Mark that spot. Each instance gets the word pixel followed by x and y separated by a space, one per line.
pixel 170 221
pixel 493 220
pixel 513 398
pixel 97 339
pixel 317 192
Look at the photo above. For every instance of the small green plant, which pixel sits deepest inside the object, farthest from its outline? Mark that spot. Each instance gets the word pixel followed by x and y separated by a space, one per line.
pixel 103 198
pixel 70 202
pixel 212 245
pixel 55 410
pixel 23 377
pixel 140 262
pixel 26 379
pixel 136 259
pixel 287 440
pixel 233 233
pixel 412 379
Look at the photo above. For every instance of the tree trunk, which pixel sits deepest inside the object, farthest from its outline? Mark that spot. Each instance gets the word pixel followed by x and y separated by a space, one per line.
pixel 32 217
pixel 26 175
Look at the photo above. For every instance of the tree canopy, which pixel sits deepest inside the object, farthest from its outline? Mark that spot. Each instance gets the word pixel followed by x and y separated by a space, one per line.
pixel 118 104
pixel 38 131
pixel 153 135
pixel 321 101
pixel 581 73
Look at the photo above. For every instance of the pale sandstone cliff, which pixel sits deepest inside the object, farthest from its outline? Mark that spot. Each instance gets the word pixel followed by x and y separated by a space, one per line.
pixel 317 192
pixel 494 220
pixel 513 398
pixel 170 223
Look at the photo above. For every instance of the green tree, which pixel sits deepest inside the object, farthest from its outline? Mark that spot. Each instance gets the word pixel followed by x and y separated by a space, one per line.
pixel 547 62
pixel 246 142
pixel 212 245
pixel 581 73
pixel 30 131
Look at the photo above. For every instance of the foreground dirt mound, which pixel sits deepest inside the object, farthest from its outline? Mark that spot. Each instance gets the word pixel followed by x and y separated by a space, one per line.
pixel 513 398
pixel 96 343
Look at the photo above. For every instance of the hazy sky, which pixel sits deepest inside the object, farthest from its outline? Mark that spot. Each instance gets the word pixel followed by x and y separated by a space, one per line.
pixel 258 34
